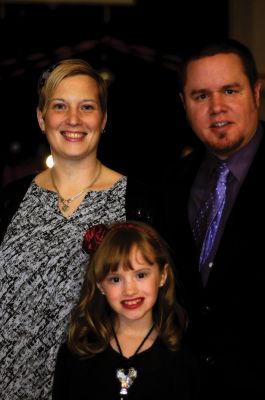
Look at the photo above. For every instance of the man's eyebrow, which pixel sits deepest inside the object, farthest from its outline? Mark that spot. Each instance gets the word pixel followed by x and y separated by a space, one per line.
pixel 198 91
pixel 231 85
pixel 205 90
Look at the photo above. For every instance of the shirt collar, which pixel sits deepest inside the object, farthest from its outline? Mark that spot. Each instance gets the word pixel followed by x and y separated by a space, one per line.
pixel 240 161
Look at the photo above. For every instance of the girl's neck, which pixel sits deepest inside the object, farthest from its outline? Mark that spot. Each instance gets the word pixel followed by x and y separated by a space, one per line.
pixel 133 327
pixel 127 338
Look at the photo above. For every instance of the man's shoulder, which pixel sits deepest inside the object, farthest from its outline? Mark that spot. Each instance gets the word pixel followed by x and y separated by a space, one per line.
pixel 136 187
pixel 185 165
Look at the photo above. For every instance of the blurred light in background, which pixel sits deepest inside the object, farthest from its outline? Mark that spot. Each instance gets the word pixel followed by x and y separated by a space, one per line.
pixel 49 161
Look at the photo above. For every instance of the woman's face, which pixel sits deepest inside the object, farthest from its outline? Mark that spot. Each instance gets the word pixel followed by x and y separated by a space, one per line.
pixel 74 120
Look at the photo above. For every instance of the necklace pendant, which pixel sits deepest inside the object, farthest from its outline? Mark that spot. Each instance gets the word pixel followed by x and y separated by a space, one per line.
pixel 64 203
pixel 126 380
pixel 65 207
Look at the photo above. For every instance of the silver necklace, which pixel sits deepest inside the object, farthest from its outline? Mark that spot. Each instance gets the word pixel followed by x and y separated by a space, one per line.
pixel 65 203
pixel 126 380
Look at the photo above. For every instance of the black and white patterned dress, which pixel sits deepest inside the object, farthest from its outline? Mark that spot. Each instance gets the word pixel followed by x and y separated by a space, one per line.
pixel 41 269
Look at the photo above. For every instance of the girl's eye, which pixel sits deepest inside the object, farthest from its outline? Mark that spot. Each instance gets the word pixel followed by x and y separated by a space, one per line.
pixel 114 279
pixel 141 275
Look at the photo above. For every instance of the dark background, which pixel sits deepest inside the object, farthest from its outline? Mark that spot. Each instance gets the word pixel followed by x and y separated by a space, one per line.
pixel 140 45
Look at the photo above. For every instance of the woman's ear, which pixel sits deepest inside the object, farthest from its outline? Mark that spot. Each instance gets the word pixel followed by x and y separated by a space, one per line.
pixel 104 122
pixel 40 120
pixel 164 276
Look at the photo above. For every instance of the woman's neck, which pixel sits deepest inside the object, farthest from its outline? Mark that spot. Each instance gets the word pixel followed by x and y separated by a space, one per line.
pixel 74 173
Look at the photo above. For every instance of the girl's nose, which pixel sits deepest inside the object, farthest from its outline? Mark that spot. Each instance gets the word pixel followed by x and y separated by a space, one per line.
pixel 129 288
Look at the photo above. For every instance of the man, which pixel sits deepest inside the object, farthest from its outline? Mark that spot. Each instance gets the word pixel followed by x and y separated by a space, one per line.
pixel 225 291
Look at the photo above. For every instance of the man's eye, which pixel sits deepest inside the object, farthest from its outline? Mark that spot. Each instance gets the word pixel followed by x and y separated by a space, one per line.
pixel 230 91
pixel 201 96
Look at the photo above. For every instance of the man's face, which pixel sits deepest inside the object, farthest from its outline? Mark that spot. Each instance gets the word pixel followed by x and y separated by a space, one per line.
pixel 220 104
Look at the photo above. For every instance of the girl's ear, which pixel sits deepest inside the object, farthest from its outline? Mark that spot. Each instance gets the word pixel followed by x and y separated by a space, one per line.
pixel 100 289
pixel 164 275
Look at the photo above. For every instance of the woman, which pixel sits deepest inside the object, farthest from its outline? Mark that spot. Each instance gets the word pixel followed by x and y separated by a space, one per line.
pixel 43 222
pixel 124 339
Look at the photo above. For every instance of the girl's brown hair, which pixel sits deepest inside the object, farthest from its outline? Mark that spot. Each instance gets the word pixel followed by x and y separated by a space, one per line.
pixel 92 319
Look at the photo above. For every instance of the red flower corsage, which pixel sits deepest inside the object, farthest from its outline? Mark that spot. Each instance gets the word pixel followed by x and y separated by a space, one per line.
pixel 93 237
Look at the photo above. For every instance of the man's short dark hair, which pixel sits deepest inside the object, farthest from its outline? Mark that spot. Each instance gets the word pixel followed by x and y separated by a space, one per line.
pixel 226 46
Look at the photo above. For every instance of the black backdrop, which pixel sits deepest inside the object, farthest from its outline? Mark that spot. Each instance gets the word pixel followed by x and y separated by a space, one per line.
pixel 140 45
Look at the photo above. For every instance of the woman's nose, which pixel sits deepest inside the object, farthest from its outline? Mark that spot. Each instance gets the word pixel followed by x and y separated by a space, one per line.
pixel 73 116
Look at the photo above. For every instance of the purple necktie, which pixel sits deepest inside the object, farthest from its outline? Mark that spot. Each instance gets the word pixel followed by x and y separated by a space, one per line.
pixel 207 222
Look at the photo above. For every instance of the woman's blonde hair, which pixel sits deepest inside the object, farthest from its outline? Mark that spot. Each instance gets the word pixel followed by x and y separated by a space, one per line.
pixel 90 327
pixel 52 77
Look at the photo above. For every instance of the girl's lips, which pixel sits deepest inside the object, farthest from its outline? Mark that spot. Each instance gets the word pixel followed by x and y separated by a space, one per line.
pixel 132 303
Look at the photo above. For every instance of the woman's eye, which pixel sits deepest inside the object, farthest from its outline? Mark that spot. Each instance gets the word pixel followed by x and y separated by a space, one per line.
pixel 58 106
pixel 87 107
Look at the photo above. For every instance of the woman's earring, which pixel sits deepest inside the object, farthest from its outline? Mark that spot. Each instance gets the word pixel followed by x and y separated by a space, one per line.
pixel 43 132
pixel 102 131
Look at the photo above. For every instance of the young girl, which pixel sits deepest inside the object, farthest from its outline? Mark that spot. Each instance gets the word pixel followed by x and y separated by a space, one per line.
pixel 125 333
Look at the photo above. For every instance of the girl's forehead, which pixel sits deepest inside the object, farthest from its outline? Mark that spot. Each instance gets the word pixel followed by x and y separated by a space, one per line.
pixel 135 261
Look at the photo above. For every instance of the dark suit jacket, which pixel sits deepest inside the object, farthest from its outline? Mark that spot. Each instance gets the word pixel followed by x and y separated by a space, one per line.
pixel 227 316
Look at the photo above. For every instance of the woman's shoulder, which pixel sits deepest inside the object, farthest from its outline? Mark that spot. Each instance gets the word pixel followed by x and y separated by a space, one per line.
pixel 17 185
pixel 108 178
pixel 11 195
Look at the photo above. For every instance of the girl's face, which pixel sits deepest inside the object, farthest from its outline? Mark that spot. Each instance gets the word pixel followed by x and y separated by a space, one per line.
pixel 74 120
pixel 133 293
